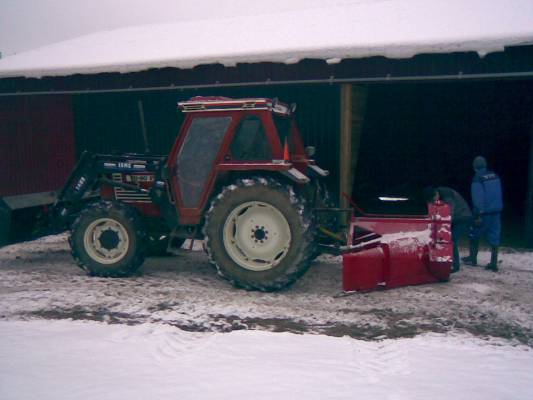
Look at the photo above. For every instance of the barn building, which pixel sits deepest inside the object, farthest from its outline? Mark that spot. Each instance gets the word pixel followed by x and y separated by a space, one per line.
pixel 393 96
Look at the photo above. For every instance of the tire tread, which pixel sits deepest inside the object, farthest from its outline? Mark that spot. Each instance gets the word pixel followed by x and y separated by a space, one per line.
pixel 99 209
pixel 304 256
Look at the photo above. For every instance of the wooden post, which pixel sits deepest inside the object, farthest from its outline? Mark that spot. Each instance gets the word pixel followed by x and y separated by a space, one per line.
pixel 529 199
pixel 345 143
pixel 353 107
pixel 359 96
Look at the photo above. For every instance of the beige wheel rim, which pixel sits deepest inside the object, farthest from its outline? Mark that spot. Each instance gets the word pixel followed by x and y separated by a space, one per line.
pixel 106 241
pixel 257 236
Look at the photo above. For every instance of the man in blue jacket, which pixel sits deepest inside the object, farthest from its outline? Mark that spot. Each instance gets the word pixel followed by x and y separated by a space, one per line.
pixel 487 206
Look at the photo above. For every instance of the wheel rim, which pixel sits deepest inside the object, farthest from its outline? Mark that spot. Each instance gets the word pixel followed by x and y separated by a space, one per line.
pixel 106 241
pixel 257 236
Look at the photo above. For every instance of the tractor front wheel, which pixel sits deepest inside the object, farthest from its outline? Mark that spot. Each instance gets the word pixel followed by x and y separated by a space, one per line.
pixel 108 240
pixel 259 235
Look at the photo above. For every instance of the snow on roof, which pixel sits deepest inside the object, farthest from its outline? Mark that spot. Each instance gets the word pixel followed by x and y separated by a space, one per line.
pixel 354 29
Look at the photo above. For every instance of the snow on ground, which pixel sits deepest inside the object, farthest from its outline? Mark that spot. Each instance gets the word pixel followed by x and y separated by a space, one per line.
pixel 88 360
pixel 40 280
pixel 69 336
pixel 352 29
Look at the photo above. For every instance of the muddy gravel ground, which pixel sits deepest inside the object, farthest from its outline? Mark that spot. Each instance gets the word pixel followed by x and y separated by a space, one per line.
pixel 39 280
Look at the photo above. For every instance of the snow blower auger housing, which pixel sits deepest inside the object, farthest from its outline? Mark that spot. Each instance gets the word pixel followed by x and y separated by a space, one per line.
pixel 387 251
pixel 238 176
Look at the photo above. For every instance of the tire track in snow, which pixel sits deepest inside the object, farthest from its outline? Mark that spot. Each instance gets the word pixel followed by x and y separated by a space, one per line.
pixel 167 343
pixel 375 360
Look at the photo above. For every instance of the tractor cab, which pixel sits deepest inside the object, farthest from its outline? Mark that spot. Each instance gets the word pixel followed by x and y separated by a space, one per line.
pixel 221 137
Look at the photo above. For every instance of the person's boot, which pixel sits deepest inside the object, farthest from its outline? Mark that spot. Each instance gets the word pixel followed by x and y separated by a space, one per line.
pixel 493 265
pixel 471 260
pixel 456 260
pixel 456 267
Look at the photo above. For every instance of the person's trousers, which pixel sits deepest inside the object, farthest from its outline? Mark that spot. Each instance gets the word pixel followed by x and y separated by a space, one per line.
pixel 489 228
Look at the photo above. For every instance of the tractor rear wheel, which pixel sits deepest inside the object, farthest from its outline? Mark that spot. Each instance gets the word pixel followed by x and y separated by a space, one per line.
pixel 108 240
pixel 259 235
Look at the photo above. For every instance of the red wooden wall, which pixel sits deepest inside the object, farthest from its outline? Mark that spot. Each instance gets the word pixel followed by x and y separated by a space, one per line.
pixel 37 149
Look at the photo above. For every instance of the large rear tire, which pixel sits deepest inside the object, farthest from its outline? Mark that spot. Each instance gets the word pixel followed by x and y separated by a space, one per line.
pixel 259 235
pixel 108 240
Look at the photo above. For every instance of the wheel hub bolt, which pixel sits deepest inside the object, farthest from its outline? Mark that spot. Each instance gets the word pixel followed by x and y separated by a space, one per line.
pixel 259 234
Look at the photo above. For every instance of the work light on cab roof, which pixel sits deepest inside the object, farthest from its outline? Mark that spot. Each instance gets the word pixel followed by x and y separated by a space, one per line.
pixel 219 103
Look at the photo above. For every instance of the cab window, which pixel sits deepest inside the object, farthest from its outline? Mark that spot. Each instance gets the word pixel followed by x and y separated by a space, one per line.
pixel 284 127
pixel 250 141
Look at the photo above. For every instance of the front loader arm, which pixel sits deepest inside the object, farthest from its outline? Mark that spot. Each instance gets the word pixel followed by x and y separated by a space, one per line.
pixel 89 174
pixel 79 180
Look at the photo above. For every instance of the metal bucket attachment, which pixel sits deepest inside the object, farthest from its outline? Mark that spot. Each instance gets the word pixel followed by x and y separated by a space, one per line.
pixel 386 251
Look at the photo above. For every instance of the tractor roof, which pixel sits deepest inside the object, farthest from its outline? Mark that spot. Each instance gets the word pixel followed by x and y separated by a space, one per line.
pixel 216 103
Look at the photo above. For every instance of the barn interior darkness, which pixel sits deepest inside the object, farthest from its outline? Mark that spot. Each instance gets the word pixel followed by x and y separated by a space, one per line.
pixel 414 135
pixel 428 134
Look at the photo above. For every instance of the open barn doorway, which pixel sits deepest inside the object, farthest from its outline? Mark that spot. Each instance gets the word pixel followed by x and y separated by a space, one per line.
pixel 421 134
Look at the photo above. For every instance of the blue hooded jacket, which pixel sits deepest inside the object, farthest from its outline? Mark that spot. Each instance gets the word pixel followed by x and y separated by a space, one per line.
pixel 486 192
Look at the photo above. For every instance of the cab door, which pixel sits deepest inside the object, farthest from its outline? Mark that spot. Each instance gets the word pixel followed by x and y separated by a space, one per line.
pixel 193 160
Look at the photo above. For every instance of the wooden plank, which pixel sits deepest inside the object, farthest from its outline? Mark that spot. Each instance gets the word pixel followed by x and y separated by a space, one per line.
pixel 359 98
pixel 345 144
pixel 353 108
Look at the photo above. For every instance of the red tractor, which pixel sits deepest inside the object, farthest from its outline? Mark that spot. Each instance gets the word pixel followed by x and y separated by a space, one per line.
pixel 238 176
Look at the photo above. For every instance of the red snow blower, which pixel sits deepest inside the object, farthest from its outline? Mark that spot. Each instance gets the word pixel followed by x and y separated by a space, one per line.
pixel 387 251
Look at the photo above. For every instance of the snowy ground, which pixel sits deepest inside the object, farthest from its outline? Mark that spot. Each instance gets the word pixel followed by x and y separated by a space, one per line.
pixel 40 280
pixel 89 360
pixel 471 338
